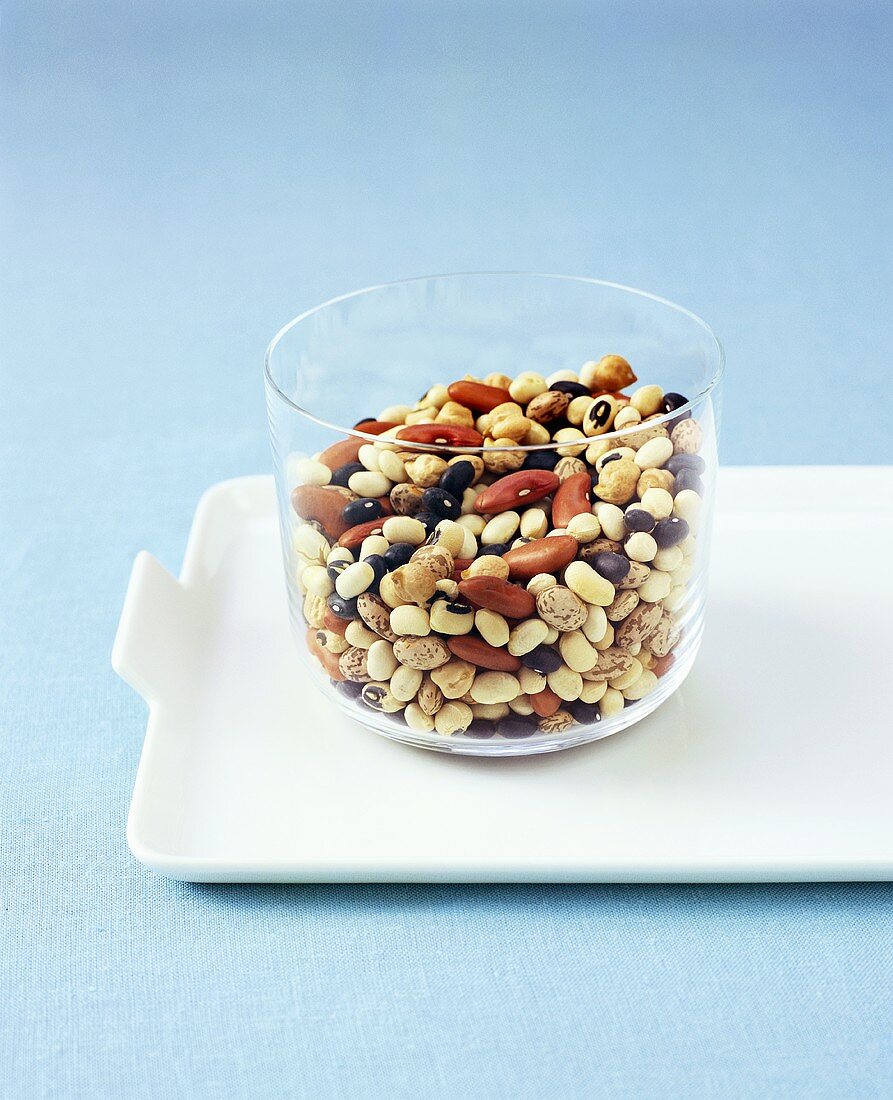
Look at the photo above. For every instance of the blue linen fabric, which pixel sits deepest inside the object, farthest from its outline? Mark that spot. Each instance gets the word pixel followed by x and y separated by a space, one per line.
pixel 179 180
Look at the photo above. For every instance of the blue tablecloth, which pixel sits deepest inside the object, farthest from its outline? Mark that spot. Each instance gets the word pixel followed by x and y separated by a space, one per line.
pixel 179 180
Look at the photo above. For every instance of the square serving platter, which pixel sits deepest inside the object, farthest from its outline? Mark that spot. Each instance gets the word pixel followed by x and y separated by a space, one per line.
pixel 772 762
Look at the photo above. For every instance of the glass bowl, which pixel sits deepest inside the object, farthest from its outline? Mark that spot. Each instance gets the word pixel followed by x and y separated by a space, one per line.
pixel 455 555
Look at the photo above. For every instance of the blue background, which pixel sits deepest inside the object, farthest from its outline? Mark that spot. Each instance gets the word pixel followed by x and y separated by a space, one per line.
pixel 179 180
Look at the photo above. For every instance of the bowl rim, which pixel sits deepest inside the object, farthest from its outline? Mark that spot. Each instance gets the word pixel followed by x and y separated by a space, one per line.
pixel 357 433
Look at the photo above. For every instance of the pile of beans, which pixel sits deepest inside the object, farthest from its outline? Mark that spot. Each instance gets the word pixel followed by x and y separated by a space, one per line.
pixel 503 592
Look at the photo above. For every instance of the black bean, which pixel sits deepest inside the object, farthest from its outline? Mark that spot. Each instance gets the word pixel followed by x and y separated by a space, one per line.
pixel 544 659
pixel 343 473
pixel 359 511
pixel 613 567
pixel 638 519
pixel 667 532
pixel 427 519
pixel 688 479
pixel 441 503
pixel 481 728
pixel 457 478
pixel 380 566
pixel 516 726
pixel 584 712
pixel 344 609
pixel 496 550
pixel 541 460
pixel 336 568
pixel 572 389
pixel 398 554
pixel 674 401
pixel 676 463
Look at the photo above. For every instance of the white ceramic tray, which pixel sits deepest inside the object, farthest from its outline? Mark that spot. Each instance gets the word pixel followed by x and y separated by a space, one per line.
pixel 772 762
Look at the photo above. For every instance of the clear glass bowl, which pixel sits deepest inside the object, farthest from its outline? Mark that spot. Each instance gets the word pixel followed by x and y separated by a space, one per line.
pixel 346 361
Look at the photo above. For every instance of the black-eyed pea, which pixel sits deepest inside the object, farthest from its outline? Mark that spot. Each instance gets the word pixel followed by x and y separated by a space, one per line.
pixel 613 455
pixel 537 434
pixel 495 687
pixel 669 560
pixel 658 502
pixel 521 705
pixel 607 639
pixel 596 624
pixel 611 703
pixel 450 535
pixel 492 627
pixel 675 599
pixel 656 588
pixel 417 719
pixel 647 400
pixel 527 385
pixel 450 618
pixel 568 466
pixel 526 636
pixel 624 604
pixel 359 635
pixel 380 660
pixel 453 413
pixel 653 454
pixel 378 696
pixel 534 523
pixel 404 529
pixel 627 417
pixel 687 437
pixel 600 415
pixel 628 678
pixel 331 641
pixel 410 620
pixel 428 695
pixel 453 717
pixel 591 587
pixel 531 681
pixel 368 483
pixel 576 651
pixel 646 683
pixel 317 581
pixel 593 690
pixel 372 544
pixel 687 506
pixel 655 479
pixel 577 410
pixel 314 610
pixel 640 547
pixel 391 465
pixel 566 683
pixel 500 529
pixel 488 566
pixel 585 527
pixel 573 441
pixel 502 455
pixel 597 448
pixel 449 587
pixel 611 519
